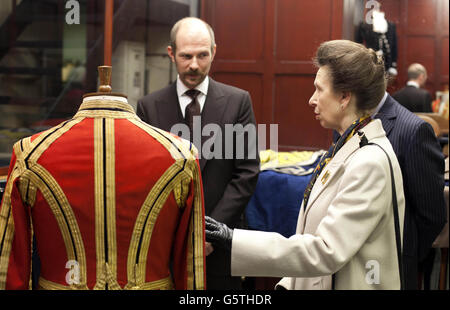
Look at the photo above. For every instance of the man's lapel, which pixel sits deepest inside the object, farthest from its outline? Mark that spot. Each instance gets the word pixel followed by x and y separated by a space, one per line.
pixel 387 115
pixel 168 108
pixel 212 113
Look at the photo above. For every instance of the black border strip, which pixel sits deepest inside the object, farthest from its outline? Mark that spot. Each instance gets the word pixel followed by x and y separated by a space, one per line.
pixel 62 212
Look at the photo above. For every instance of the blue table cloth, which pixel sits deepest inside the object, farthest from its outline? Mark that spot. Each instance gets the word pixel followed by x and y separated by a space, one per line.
pixel 276 202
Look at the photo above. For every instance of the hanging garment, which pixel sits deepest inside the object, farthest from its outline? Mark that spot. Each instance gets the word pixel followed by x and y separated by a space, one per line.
pixel 385 44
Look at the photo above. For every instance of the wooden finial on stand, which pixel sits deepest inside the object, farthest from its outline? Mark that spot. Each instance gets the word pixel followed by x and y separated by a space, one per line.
pixel 104 74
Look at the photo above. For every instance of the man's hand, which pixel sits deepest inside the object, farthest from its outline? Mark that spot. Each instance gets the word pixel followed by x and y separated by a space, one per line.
pixel 218 233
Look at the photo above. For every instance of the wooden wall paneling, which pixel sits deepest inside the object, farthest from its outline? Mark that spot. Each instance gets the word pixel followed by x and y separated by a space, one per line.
pixel 297 125
pixel 444 9
pixel 268 101
pixel 402 30
pixel 242 40
pixel 421 49
pixel 240 44
pixel 421 17
pixel 442 45
pixel 337 20
pixel 251 82
pixel 444 64
pixel 266 47
pixel 298 33
pixel 422 36
pixel 272 41
pixel 391 9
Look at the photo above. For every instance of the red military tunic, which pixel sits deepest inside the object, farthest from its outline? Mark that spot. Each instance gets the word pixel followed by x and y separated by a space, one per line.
pixel 113 202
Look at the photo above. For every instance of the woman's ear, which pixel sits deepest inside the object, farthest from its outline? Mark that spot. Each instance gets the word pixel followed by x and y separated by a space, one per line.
pixel 346 98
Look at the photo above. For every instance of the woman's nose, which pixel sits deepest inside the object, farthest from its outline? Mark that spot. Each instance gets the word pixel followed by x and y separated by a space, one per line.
pixel 312 100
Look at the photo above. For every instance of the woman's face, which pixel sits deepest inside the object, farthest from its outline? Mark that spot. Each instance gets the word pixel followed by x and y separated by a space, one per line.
pixel 326 102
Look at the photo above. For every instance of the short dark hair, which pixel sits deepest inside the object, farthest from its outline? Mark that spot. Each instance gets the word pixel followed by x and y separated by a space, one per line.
pixel 356 69
pixel 176 27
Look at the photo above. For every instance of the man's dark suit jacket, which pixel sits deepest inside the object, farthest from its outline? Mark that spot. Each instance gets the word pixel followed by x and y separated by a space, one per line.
pixel 228 184
pixel 422 163
pixel 414 99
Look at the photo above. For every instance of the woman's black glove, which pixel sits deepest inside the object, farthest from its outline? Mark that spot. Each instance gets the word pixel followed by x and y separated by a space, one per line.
pixel 218 233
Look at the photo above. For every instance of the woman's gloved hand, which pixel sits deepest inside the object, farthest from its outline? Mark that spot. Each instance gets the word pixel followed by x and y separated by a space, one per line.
pixel 218 233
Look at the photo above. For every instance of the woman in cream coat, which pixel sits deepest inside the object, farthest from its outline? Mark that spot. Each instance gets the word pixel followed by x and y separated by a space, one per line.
pixel 347 227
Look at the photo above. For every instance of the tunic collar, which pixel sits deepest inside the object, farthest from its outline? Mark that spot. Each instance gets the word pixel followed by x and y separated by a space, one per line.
pixel 106 106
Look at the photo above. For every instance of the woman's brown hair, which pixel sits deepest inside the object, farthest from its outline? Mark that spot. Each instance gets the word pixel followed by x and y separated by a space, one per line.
pixel 356 69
